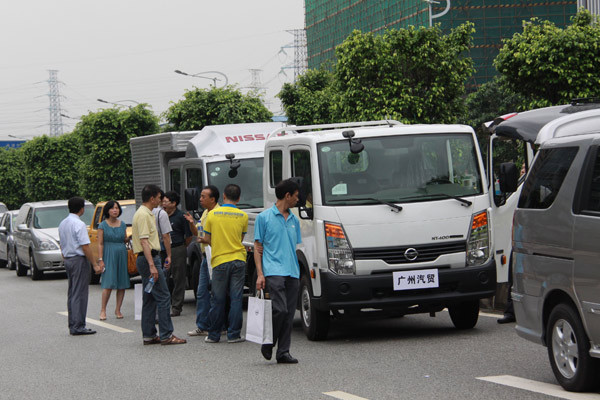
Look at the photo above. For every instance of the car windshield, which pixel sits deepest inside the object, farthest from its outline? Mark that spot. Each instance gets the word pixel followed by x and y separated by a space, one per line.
pixel 400 169
pixel 50 217
pixel 127 215
pixel 248 177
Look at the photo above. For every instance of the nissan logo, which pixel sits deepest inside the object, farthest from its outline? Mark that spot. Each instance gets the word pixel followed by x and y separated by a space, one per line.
pixel 411 254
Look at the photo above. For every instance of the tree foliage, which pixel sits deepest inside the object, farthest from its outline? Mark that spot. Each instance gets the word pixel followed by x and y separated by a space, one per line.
pixel 309 99
pixel 12 190
pixel 549 65
pixel 201 107
pixel 104 163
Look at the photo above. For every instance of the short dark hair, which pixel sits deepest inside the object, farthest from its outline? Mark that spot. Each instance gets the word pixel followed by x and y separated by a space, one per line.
pixel 173 196
pixel 110 204
pixel 214 192
pixel 162 194
pixel 287 186
pixel 233 192
pixel 148 192
pixel 75 204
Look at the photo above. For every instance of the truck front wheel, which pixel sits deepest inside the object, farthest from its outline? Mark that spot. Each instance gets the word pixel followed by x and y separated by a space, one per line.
pixel 315 323
pixel 464 315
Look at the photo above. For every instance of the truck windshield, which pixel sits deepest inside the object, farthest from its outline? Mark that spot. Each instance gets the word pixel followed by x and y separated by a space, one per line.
pixel 400 169
pixel 51 217
pixel 248 177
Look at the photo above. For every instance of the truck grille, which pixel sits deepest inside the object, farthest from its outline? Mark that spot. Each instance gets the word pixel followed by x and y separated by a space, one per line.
pixel 396 255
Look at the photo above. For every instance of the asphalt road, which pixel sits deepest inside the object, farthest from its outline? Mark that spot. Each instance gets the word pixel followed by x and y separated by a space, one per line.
pixel 414 357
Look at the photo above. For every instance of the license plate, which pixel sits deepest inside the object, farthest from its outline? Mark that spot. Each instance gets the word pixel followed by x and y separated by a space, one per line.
pixel 418 279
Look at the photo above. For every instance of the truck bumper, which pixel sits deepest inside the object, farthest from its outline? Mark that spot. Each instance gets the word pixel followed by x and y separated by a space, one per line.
pixel 377 291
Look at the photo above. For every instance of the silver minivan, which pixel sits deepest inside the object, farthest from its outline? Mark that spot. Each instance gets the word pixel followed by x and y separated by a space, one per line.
pixel 556 249
pixel 36 237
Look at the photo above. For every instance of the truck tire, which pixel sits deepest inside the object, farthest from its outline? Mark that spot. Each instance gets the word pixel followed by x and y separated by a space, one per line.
pixel 36 274
pixel 21 269
pixel 568 351
pixel 464 315
pixel 94 277
pixel 315 323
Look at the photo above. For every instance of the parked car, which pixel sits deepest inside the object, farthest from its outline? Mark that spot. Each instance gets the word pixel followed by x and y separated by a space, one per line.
pixel 38 247
pixel 128 210
pixel 556 257
pixel 7 239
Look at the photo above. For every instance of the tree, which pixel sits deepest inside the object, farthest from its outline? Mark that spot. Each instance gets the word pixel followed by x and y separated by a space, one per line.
pixel 309 99
pixel 12 190
pixel 104 163
pixel 201 107
pixel 413 75
pixel 550 65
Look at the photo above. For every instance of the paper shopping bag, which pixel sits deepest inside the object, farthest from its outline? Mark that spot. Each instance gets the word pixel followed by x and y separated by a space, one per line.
pixel 138 292
pixel 259 326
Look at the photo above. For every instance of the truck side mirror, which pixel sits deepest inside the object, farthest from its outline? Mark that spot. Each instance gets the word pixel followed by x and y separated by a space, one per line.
pixel 509 177
pixel 192 199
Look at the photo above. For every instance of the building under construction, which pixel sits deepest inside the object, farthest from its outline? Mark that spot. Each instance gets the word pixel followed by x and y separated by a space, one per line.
pixel 329 22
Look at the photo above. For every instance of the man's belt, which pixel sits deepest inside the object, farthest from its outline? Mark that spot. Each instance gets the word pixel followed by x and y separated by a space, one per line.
pixel 153 252
pixel 173 245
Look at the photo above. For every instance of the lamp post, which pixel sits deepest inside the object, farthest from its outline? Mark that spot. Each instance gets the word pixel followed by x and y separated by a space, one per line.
pixel 116 103
pixel 432 16
pixel 198 75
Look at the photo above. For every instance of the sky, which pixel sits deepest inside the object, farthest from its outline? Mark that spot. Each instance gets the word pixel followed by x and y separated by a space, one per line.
pixel 129 49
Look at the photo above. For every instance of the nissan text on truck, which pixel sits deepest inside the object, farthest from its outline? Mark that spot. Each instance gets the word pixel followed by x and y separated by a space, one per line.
pixel 216 155
pixel 397 219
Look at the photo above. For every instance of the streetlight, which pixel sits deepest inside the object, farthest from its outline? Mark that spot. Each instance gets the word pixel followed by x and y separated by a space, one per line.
pixel 198 75
pixel 432 16
pixel 116 103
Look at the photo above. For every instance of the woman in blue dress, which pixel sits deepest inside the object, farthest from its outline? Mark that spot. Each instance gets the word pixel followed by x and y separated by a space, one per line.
pixel 112 237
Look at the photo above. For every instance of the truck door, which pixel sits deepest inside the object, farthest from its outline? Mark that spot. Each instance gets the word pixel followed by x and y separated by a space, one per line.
pixel 300 167
pixel 193 179
pixel 175 178
pixel 586 274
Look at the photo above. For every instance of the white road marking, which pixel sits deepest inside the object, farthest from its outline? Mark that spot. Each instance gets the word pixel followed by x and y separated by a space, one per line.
pixel 343 395
pixel 101 324
pixel 539 387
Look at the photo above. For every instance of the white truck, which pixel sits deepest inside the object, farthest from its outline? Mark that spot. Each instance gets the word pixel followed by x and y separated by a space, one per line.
pixel 397 219
pixel 187 161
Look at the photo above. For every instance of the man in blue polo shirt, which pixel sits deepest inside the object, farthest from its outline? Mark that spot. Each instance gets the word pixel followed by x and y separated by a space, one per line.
pixel 277 230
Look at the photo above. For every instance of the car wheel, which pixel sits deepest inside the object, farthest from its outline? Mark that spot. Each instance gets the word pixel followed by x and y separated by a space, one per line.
pixel 21 269
pixel 315 323
pixel 4 263
pixel 94 277
pixel 36 274
pixel 464 315
pixel 11 263
pixel 568 351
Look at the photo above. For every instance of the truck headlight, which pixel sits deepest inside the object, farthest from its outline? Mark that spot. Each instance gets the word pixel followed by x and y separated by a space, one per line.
pixel 48 245
pixel 478 244
pixel 339 252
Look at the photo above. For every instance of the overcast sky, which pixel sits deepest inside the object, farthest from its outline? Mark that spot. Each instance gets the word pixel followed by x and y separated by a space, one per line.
pixel 128 49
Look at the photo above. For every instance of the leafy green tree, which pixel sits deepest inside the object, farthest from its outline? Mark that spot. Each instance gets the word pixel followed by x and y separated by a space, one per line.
pixel 309 99
pixel 104 163
pixel 550 65
pixel 12 191
pixel 201 107
pixel 49 167
pixel 413 75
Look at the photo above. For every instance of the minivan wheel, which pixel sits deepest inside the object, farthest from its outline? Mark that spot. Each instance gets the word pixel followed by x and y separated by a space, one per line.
pixel 21 269
pixel 464 315
pixel 36 274
pixel 315 323
pixel 10 262
pixel 568 351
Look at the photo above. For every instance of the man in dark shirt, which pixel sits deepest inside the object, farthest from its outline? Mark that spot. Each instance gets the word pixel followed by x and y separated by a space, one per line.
pixel 181 235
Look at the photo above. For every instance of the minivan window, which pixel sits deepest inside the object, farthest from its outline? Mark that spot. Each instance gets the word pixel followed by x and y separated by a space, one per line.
pixel 546 177
pixel 591 193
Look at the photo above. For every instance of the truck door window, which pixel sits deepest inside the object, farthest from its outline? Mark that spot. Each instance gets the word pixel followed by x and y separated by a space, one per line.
pixel 248 177
pixel 276 167
pixel 301 168
pixel 506 150
pixel 194 179
pixel 546 177
pixel 176 180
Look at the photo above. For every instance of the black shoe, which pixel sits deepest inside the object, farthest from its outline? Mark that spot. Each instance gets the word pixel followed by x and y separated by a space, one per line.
pixel 175 313
pixel 83 332
pixel 287 359
pixel 508 318
pixel 267 351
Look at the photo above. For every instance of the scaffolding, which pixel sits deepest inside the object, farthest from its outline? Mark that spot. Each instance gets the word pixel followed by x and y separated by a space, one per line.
pixel 329 22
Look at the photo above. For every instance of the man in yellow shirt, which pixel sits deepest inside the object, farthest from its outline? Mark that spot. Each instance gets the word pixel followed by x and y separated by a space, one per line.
pixel 145 243
pixel 224 230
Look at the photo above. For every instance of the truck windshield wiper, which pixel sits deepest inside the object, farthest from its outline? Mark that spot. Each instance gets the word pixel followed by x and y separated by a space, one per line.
pixel 464 202
pixel 395 208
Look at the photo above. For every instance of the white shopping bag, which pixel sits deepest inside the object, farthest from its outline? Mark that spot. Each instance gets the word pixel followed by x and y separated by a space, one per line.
pixel 138 292
pixel 259 326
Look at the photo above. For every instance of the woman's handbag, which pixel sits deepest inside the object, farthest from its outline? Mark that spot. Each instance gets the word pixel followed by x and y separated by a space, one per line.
pixel 131 260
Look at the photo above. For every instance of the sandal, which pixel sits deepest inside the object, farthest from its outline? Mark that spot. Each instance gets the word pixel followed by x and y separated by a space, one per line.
pixel 119 315
pixel 173 340
pixel 102 318
pixel 155 340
